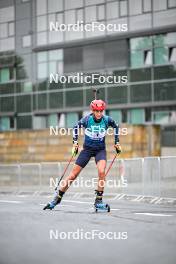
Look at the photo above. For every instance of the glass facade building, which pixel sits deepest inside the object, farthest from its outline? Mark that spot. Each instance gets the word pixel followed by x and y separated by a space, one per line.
pixel 30 51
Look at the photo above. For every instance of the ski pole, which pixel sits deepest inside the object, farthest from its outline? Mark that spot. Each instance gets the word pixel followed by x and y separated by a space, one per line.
pixel 70 160
pixel 110 166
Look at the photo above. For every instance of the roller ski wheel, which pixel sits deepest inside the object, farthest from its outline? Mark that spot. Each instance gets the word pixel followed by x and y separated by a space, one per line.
pixel 49 206
pixel 102 207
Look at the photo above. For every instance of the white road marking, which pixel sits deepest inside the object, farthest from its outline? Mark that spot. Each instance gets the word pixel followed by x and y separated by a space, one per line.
pixel 6 201
pixel 81 202
pixel 151 214
pixel 121 196
pixel 154 200
pixel 158 201
pixel 60 205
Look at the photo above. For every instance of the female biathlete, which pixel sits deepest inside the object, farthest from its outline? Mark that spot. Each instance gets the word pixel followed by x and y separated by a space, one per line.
pixel 95 125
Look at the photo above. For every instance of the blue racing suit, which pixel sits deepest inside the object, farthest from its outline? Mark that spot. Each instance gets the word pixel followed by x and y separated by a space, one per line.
pixel 94 142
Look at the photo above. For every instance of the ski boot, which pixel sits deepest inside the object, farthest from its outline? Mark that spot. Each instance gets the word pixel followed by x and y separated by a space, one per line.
pixel 57 199
pixel 99 205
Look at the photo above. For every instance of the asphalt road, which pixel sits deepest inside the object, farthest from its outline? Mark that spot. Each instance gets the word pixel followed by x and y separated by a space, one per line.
pixel 73 233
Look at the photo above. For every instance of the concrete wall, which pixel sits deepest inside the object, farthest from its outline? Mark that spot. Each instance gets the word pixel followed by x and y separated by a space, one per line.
pixel 40 146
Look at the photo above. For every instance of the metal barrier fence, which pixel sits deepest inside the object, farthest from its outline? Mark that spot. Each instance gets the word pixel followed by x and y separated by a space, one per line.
pixel 151 176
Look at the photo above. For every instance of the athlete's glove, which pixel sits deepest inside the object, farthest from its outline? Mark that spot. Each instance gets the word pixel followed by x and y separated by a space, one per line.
pixel 118 148
pixel 75 148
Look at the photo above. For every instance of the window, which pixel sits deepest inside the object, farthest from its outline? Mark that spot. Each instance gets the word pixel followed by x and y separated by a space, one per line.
pixel 5 123
pixel 52 60
pixel 140 93
pixel 55 100
pixel 147 57
pixel 4 75
pixel 11 29
pixel 73 59
pixel 70 17
pixel 42 56
pixel 26 41
pixel 116 115
pixel 60 18
pixel 52 120
pixel 56 55
pixel 90 14
pixel 159 40
pixel 141 43
pixel 41 7
pixel 137 58
pixel 120 95
pixel 6 30
pixel 94 2
pixel 3 30
pixel 70 4
pixel 23 103
pixel 172 3
pixel 112 10
pixel 7 88
pixel 141 51
pixel 42 85
pixel 161 55
pixel 159 5
pixel 21 72
pixel 24 122
pixel 172 57
pixel 42 38
pixel 93 56
pixel 168 136
pixel 41 23
pixel 165 91
pixel 135 7
pixel 116 53
pixel 161 117
pixel 42 101
pixel 164 72
pixel 100 12
pixel 136 116
pixel 52 67
pixel 147 6
pixel 79 15
pixel 7 14
pixel 27 87
pixel 55 6
pixel 123 8
pixel 42 70
pixel 139 75
pixel 171 38
pixel 7 104
pixel 74 98
pixel 39 122
pixel 71 119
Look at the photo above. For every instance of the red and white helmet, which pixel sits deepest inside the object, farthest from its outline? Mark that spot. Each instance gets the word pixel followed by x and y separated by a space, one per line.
pixel 98 105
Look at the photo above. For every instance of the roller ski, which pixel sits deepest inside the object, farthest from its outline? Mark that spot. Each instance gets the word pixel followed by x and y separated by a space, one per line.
pixel 99 205
pixel 57 199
